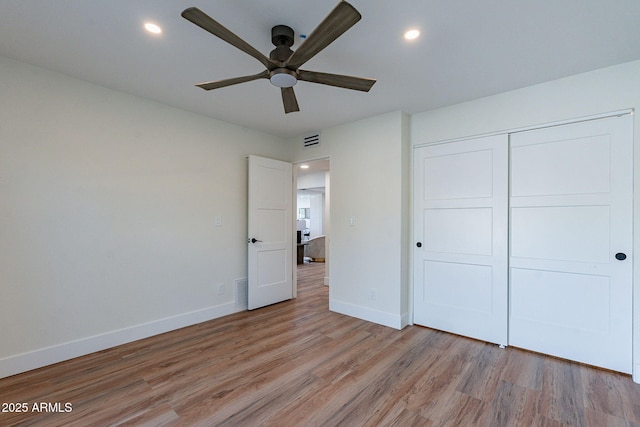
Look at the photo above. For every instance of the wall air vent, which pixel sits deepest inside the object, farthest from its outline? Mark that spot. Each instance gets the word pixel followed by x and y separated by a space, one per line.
pixel 311 140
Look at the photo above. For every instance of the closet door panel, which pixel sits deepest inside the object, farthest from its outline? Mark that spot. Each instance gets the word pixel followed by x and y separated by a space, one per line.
pixel 443 180
pixel 459 230
pixel 567 225
pixel 571 213
pixel 587 157
pixel 460 258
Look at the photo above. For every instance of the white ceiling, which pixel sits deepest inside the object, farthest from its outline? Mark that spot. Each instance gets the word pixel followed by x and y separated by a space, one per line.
pixel 468 49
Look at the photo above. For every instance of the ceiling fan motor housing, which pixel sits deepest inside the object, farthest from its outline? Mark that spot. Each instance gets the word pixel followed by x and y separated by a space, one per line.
pixel 282 35
pixel 282 39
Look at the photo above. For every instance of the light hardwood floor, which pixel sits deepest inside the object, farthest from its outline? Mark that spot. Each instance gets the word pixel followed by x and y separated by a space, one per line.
pixel 297 364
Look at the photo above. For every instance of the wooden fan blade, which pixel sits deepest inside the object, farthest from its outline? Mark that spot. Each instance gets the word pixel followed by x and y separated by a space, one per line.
pixel 289 100
pixel 341 18
pixel 209 24
pixel 228 82
pixel 338 80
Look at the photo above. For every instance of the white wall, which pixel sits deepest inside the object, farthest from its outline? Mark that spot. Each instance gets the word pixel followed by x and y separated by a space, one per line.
pixel 368 182
pixel 605 90
pixel 107 216
pixel 316 223
pixel 311 180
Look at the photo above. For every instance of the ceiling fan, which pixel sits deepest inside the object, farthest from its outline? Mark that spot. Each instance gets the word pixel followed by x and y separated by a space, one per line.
pixel 283 64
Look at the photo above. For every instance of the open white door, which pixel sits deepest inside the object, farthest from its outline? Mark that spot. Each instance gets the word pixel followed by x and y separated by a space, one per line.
pixel 460 267
pixel 270 238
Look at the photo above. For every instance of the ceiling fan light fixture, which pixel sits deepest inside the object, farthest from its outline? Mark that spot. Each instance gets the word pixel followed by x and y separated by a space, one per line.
pixel 283 77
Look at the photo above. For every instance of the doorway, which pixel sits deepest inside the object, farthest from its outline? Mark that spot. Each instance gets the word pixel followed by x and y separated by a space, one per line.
pixel 312 213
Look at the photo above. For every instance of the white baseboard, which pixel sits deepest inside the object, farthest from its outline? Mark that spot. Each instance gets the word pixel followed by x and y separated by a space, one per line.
pixel 636 373
pixel 365 313
pixel 46 356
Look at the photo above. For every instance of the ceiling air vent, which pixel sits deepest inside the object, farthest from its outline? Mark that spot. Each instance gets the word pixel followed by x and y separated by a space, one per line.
pixel 312 140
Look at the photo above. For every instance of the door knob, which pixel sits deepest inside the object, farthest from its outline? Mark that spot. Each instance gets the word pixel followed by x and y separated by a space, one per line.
pixel 620 256
pixel 419 244
pixel 254 240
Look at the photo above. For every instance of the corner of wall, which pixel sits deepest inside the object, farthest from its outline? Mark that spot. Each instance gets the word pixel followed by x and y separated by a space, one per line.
pixel 390 320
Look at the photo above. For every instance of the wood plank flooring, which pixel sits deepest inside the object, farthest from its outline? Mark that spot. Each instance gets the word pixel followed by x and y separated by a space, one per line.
pixel 297 364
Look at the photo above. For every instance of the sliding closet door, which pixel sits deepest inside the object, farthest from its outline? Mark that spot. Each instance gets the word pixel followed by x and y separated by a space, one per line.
pixel 571 242
pixel 460 233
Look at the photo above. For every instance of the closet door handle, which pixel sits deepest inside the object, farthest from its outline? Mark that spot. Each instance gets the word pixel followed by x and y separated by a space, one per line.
pixel 621 256
pixel 419 244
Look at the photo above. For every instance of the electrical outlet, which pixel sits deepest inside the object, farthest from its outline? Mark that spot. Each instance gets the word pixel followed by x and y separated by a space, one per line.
pixel 372 294
pixel 220 288
pixel 218 221
pixel 352 221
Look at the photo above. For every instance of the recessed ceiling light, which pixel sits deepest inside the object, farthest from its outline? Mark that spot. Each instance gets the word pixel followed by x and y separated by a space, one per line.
pixel 304 166
pixel 412 34
pixel 152 28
